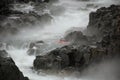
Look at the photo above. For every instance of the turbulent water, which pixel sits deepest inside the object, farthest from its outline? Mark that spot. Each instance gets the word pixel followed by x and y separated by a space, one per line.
pixel 75 14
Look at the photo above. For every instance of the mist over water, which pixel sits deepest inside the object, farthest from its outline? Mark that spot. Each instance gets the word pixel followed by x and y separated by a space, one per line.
pixel 75 14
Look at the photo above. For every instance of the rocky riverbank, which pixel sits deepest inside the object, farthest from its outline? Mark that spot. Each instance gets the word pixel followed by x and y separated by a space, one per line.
pixel 101 41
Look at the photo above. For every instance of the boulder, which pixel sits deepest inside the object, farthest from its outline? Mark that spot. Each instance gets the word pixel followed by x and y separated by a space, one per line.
pixel 62 58
pixel 76 37
pixel 76 57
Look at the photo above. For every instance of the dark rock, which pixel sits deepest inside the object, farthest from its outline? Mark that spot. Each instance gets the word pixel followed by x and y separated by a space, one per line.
pixel 5 7
pixel 8 69
pixel 62 58
pixel 78 57
pixel 104 23
pixel 76 37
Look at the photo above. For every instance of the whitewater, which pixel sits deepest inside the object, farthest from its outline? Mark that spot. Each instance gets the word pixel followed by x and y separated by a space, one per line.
pixel 76 14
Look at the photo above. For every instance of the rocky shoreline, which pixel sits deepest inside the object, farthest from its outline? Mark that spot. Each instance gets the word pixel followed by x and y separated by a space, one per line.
pixel 103 36
pixel 100 41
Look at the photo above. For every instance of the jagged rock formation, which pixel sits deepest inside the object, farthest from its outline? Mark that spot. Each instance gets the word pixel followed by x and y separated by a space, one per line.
pixel 8 69
pixel 104 24
pixel 103 21
pixel 103 28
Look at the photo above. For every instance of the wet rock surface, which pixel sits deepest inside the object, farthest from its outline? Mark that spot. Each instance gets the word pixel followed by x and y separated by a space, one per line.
pixel 106 22
pixel 63 58
pixel 76 37
pixel 103 29
pixel 8 67
pixel 77 57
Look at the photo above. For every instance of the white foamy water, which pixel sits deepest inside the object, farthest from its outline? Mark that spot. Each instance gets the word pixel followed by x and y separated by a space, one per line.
pixel 26 8
pixel 76 15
